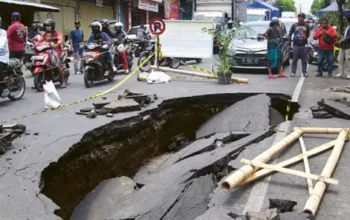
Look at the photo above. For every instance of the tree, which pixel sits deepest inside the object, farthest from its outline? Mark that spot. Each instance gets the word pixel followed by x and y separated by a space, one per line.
pixel 316 6
pixel 285 5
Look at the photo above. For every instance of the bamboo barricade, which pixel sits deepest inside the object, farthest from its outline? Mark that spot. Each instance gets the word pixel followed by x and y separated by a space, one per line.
pixel 315 130
pixel 306 164
pixel 192 73
pixel 238 177
pixel 264 172
pixel 314 200
pixel 290 171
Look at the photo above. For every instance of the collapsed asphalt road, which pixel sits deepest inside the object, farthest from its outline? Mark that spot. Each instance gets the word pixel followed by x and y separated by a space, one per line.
pixel 59 130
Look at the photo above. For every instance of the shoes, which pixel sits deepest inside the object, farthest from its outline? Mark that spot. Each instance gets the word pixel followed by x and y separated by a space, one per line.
pixel 272 77
pixel 329 74
pixel 319 75
pixel 78 73
pixel 338 76
pixel 63 85
pixel 292 75
pixel 5 93
pixel 348 77
pixel 114 68
pixel 106 73
pixel 305 75
pixel 127 71
pixel 282 75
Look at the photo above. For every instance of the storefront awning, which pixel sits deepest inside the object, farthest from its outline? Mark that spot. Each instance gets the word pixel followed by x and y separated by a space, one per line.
pixel 32 5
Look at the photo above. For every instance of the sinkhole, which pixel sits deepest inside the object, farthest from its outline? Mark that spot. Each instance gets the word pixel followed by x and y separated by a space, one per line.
pixel 121 147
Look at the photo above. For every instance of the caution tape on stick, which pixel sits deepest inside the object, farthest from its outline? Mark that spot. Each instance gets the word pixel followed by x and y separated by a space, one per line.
pixel 91 97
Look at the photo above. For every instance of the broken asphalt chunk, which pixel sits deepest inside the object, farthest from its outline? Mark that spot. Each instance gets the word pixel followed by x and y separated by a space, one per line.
pixel 99 105
pixel 337 109
pixel 91 115
pixel 296 216
pixel 269 214
pixel 123 105
pixel 282 205
pixel 86 109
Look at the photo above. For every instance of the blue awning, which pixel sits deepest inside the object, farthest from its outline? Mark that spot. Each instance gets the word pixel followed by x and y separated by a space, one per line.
pixel 333 7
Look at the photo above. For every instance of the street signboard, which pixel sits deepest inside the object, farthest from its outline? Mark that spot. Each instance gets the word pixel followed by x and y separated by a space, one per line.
pixel 157 26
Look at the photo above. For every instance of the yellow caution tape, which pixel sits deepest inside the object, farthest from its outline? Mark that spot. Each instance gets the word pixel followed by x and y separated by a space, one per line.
pixel 288 110
pixel 86 99
pixel 199 68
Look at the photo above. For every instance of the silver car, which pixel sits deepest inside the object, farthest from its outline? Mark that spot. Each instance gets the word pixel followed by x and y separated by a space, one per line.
pixel 250 50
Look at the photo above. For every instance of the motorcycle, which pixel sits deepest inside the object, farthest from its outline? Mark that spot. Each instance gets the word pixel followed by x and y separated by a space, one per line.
pixel 172 62
pixel 28 53
pixel 14 80
pixel 42 69
pixel 184 60
pixel 312 51
pixel 120 47
pixel 96 65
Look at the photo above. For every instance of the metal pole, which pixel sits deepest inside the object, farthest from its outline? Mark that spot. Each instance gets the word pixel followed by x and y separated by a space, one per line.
pixel 156 52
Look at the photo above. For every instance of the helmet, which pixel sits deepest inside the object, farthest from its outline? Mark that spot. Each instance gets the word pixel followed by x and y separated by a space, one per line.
pixel 96 27
pixel 118 26
pixel 16 16
pixel 274 19
pixel 49 25
pixel 105 22
pixel 142 26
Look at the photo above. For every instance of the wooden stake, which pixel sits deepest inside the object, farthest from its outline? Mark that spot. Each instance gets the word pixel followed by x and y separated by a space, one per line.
pixel 311 130
pixel 289 171
pixel 314 200
pixel 244 172
pixel 306 164
pixel 264 172
pixel 192 73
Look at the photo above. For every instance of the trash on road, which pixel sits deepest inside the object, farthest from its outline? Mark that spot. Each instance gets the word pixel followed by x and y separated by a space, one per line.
pixel 156 77
pixel 51 97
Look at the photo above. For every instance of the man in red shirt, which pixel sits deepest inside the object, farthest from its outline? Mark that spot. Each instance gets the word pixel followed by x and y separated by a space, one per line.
pixel 16 35
pixel 326 36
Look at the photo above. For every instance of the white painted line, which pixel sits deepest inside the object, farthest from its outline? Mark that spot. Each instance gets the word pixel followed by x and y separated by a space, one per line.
pixel 259 190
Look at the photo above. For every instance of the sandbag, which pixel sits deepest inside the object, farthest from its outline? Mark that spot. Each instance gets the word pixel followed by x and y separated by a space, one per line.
pixel 158 77
pixel 51 97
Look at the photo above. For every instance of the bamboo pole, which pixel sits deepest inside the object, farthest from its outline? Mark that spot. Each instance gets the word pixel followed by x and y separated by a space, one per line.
pixel 244 172
pixel 192 73
pixel 306 164
pixel 289 171
pixel 264 172
pixel 314 200
pixel 315 130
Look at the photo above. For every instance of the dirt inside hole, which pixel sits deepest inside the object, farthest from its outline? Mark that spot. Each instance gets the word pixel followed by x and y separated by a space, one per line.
pixel 121 147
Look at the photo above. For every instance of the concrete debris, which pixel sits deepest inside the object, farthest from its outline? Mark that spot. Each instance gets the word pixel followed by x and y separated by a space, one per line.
pixel 8 133
pixel 269 214
pixel 123 105
pixel 99 105
pixel 296 216
pixel 237 217
pixel 334 108
pixel 99 203
pixel 282 205
pixel 343 89
pixel 86 110
pixel 91 115
pixel 109 115
pixel 248 115
pixel 102 111
pixel 142 99
pixel 343 101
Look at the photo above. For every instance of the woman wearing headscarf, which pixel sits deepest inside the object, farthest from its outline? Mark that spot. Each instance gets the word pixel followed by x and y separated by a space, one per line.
pixel 274 54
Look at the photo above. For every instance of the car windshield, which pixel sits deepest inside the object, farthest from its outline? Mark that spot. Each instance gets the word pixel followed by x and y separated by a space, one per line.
pixel 251 18
pixel 250 31
pixel 133 30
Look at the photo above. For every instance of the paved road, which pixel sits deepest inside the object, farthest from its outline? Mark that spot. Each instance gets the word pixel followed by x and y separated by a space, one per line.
pixel 58 130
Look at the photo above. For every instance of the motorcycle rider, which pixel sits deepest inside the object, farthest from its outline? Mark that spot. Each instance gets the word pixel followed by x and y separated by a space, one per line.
pixel 34 30
pixel 120 35
pixel 141 33
pixel 49 27
pixel 100 37
pixel 4 59
pixel 105 28
pixel 16 36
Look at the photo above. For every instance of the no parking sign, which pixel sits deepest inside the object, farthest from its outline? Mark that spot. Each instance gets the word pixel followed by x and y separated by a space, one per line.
pixel 157 26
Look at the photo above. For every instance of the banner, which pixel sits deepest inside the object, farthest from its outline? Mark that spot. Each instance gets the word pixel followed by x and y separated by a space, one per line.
pixel 148 5
pixel 171 9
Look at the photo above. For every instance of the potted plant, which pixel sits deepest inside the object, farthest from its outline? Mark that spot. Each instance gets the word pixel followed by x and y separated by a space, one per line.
pixel 225 60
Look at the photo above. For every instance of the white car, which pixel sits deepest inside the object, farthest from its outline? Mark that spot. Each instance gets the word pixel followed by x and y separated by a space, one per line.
pixel 132 32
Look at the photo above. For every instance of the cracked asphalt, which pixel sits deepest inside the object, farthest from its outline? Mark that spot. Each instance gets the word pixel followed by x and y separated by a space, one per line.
pixel 20 167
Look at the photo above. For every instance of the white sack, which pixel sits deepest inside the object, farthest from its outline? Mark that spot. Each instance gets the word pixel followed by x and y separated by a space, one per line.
pixel 158 77
pixel 51 97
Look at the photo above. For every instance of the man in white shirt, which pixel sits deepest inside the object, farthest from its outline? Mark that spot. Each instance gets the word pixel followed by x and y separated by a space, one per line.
pixel 4 59
pixel 344 53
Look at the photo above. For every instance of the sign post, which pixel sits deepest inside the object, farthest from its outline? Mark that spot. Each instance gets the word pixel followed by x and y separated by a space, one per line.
pixel 157 27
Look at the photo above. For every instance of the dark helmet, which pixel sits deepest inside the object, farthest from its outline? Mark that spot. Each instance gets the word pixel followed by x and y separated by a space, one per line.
pixel 142 26
pixel 105 23
pixel 96 27
pixel 49 25
pixel 16 16
pixel 230 24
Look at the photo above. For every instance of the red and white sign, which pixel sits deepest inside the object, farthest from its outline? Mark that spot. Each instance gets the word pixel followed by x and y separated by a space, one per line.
pixel 157 26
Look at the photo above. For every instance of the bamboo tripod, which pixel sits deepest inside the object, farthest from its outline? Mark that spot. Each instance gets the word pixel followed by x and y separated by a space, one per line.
pixel 250 171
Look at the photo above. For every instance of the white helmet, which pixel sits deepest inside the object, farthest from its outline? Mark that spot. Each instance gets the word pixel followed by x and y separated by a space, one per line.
pixel 96 26
pixel 119 26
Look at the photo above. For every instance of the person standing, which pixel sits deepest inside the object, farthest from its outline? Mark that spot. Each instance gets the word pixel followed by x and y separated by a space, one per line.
pixel 344 53
pixel 16 36
pixel 274 40
pixel 301 33
pixel 4 59
pixel 76 37
pixel 326 36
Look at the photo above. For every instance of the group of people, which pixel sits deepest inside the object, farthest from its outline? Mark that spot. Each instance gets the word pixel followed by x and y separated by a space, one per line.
pixel 298 38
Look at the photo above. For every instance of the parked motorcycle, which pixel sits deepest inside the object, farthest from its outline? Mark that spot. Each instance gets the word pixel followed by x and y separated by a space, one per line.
pixel 184 60
pixel 96 65
pixel 172 62
pixel 312 51
pixel 28 53
pixel 42 69
pixel 14 80
pixel 120 47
